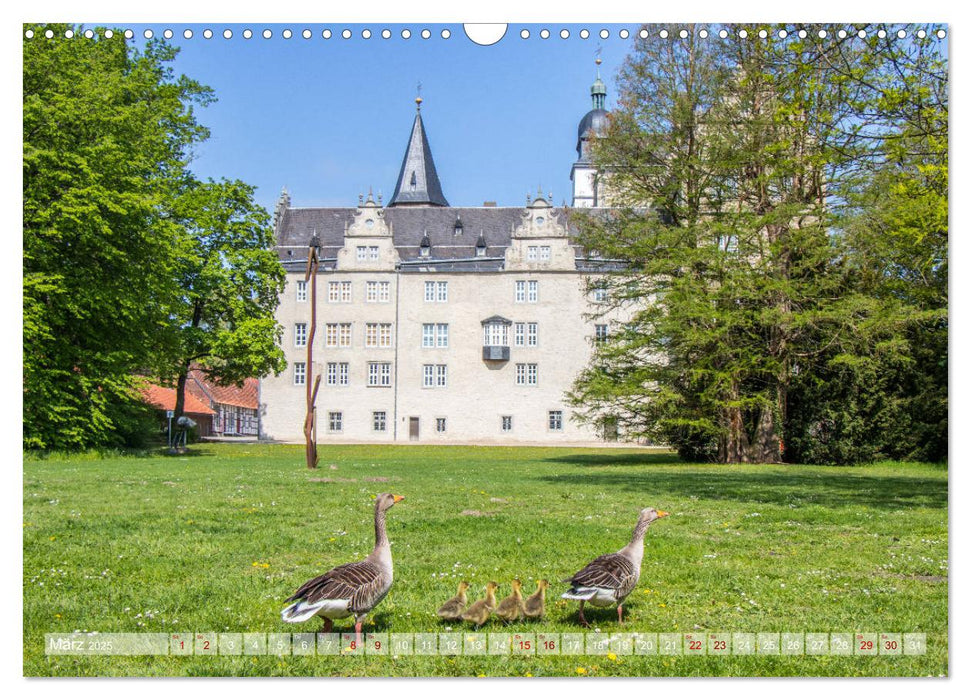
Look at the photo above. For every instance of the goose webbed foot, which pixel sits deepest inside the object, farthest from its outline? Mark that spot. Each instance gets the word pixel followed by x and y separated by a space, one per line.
pixel 583 620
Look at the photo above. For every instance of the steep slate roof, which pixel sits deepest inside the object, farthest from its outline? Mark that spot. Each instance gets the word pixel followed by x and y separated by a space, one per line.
pixel 409 225
pixel 418 181
pixel 164 398
pixel 246 396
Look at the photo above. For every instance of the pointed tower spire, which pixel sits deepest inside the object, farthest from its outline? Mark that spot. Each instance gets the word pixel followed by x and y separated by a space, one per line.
pixel 418 181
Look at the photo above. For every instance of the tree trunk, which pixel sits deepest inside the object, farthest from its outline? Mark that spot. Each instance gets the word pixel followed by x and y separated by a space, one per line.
pixel 180 391
pixel 734 445
pixel 765 446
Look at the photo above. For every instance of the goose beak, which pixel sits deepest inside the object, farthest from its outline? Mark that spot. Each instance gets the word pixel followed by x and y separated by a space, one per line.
pixel 401 498
pixel 662 513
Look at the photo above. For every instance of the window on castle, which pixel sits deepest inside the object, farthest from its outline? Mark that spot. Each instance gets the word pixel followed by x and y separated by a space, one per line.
pixel 385 338
pixel 301 290
pixel 600 333
pixel 300 373
pixel 379 421
pixel 300 335
pixel 440 425
pixel 436 291
pixel 378 335
pixel 338 335
pixel 339 292
pixel 335 421
pixel 495 334
pixel 377 292
pixel 506 424
pixel 544 252
pixel 434 335
pixel 527 291
pixel 532 253
pixel 526 334
pixel 372 252
pixel 379 374
pixel 361 253
pixel 337 373
pixel 434 376
pixel 527 374
pixel 555 420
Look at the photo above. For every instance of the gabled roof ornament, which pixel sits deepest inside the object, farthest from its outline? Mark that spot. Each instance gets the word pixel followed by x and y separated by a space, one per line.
pixel 282 204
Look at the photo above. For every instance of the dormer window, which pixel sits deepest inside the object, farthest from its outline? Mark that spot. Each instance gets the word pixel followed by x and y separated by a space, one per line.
pixel 480 246
pixel 425 247
pixel 458 226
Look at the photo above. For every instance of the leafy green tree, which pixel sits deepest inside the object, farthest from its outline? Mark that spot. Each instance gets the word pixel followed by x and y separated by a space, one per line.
pixel 107 131
pixel 230 284
pixel 887 396
pixel 738 161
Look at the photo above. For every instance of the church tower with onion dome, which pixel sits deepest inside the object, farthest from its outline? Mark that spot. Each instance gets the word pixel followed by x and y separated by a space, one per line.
pixel 587 185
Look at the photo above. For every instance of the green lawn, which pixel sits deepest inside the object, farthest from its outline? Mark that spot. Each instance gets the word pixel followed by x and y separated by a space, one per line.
pixel 215 541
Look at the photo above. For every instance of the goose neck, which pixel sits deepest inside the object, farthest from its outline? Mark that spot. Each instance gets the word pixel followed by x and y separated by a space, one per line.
pixel 380 533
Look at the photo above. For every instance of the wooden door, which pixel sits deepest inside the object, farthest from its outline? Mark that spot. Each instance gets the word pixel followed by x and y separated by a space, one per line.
pixel 413 424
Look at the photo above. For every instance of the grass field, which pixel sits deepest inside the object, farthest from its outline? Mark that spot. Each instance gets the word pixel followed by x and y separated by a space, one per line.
pixel 214 541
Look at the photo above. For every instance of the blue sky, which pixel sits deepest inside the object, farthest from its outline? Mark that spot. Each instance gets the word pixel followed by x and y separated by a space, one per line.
pixel 330 117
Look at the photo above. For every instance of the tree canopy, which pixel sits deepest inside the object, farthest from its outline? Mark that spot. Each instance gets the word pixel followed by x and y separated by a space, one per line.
pixel 782 207
pixel 108 134
pixel 229 281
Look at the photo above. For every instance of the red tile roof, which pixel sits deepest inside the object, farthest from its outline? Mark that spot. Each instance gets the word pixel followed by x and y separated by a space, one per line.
pixel 164 398
pixel 246 396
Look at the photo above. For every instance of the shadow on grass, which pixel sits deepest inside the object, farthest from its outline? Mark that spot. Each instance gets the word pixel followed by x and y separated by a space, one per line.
pixel 152 452
pixel 615 459
pixel 772 486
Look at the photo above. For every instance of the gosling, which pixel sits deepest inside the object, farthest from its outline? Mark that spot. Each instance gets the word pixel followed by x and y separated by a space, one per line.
pixel 511 608
pixel 478 613
pixel 534 607
pixel 452 608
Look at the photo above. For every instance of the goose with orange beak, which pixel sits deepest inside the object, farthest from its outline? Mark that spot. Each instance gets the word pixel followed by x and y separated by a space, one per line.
pixel 350 589
pixel 609 579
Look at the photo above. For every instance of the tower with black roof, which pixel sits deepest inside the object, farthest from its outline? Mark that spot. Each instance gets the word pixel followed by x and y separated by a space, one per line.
pixel 587 185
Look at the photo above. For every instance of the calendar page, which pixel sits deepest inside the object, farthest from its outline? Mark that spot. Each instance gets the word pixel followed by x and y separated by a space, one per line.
pixel 570 350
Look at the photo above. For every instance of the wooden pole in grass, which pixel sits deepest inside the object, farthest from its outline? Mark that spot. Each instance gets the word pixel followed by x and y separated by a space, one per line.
pixel 310 423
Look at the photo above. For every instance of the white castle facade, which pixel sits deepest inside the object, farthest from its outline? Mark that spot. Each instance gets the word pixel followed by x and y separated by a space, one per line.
pixel 439 324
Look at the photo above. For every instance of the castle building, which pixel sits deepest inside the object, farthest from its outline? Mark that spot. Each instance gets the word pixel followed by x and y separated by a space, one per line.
pixel 438 323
